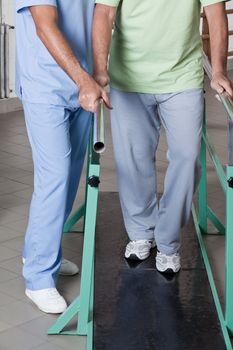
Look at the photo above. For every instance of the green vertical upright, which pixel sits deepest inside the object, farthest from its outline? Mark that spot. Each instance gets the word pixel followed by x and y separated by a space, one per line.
pixel 88 251
pixel 202 191
pixel 229 251
pixel 82 306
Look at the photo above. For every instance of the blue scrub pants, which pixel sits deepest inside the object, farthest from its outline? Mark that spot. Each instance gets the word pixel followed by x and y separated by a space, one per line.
pixel 58 138
pixel 136 120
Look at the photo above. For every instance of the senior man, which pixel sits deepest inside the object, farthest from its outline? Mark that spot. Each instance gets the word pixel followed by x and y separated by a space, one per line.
pixel 54 67
pixel 156 77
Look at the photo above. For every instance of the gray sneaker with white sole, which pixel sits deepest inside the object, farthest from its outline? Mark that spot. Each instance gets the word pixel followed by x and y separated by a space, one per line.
pixel 139 249
pixel 168 263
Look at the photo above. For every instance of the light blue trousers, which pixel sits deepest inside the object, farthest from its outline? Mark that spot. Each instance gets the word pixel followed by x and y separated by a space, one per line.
pixel 58 139
pixel 136 120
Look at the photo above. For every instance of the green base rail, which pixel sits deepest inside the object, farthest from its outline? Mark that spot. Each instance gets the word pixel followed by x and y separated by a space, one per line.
pixel 82 307
pixel 204 213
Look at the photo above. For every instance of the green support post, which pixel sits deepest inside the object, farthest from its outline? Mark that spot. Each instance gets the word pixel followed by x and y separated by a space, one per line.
pixel 204 213
pixel 216 222
pixel 80 213
pixel 211 281
pixel 82 306
pixel 202 192
pixel 88 253
pixel 229 251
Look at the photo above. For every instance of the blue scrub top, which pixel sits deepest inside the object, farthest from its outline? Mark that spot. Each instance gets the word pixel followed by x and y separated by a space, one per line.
pixel 39 79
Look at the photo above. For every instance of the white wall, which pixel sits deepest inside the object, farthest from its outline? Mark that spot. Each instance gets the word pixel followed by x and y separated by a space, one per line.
pixel 8 11
pixel 8 17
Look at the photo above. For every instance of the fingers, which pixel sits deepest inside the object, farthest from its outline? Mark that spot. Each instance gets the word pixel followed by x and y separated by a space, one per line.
pixel 106 100
pixel 217 87
pixel 221 85
pixel 228 88
pixel 90 96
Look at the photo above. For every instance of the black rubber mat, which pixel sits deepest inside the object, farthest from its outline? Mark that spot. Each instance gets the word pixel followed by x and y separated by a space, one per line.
pixel 136 307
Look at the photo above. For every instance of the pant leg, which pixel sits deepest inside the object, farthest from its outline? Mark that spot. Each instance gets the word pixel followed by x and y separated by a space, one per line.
pixel 48 130
pixel 181 115
pixel 80 122
pixel 135 131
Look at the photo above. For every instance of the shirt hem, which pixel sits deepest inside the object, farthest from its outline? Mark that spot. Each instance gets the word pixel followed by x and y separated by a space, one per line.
pixel 154 90
pixel 56 103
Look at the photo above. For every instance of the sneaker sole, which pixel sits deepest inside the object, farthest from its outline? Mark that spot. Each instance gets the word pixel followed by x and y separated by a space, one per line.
pixel 134 257
pixel 168 270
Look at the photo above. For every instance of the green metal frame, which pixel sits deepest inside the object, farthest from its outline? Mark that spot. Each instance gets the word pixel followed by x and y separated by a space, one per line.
pixel 82 306
pixel 204 214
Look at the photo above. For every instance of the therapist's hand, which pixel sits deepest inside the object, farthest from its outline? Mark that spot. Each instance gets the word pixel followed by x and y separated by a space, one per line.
pixel 91 93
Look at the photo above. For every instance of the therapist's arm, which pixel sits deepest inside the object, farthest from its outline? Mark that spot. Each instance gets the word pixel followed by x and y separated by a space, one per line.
pixel 45 18
pixel 104 18
pixel 218 28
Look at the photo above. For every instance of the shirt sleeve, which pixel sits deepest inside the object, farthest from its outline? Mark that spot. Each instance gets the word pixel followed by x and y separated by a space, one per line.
pixel 211 2
pixel 113 3
pixel 24 4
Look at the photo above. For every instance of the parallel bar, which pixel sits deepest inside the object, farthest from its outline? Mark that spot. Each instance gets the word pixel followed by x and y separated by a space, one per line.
pixel 88 253
pixel 227 104
pixel 225 99
pixel 215 221
pixel 202 189
pixel 211 281
pixel 99 131
pixel 229 254
pixel 82 306
pixel 216 161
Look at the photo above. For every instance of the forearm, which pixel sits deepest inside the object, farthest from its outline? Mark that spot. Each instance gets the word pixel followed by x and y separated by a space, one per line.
pixel 90 93
pixel 59 48
pixel 218 29
pixel 104 17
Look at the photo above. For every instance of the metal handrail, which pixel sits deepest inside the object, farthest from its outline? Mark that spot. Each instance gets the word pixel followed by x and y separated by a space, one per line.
pixel 99 130
pixel 228 106
pixel 224 98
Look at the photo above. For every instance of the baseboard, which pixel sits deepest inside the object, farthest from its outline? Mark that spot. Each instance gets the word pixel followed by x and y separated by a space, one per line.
pixel 10 105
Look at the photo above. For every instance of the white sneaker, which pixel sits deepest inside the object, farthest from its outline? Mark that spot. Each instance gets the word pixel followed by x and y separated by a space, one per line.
pixel 68 268
pixel 47 300
pixel 168 263
pixel 139 250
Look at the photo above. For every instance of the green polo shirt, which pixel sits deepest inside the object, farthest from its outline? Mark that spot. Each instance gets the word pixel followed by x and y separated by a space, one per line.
pixel 156 45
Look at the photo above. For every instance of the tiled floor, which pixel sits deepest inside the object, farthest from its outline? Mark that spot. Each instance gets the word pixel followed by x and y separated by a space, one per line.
pixel 22 326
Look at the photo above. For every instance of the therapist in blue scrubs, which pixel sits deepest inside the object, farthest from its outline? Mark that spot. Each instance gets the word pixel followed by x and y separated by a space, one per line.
pixel 54 67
